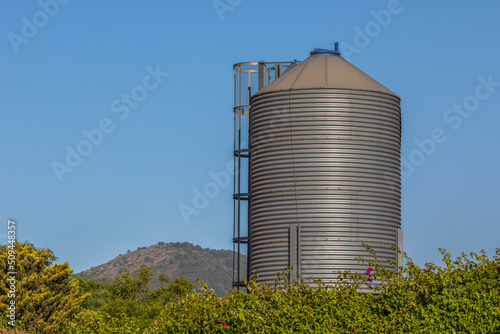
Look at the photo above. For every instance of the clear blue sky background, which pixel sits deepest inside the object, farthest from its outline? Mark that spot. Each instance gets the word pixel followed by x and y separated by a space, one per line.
pixel 126 193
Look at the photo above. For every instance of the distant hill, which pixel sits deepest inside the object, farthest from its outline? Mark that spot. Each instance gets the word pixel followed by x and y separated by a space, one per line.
pixel 175 259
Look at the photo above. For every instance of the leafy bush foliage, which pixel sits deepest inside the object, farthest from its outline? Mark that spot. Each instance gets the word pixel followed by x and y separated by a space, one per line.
pixel 125 305
pixel 461 297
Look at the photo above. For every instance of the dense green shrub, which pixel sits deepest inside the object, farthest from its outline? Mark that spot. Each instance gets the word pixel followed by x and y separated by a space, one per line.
pixel 461 297
pixel 125 305
pixel 89 321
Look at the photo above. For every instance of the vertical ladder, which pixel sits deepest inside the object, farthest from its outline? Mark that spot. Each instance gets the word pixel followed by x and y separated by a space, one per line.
pixel 249 77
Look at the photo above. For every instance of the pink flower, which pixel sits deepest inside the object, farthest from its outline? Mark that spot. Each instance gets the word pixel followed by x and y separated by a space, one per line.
pixel 352 329
pixel 425 270
pixel 310 306
pixel 263 292
pixel 200 322
pixel 368 272
pixel 369 280
pixel 226 324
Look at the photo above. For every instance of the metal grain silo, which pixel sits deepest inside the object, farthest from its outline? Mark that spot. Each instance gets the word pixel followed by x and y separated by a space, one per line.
pixel 324 170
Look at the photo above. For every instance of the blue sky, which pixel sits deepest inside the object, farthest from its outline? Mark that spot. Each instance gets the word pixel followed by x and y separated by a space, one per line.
pixel 68 66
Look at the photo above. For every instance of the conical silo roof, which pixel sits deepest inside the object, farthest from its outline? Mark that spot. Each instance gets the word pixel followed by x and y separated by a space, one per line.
pixel 325 69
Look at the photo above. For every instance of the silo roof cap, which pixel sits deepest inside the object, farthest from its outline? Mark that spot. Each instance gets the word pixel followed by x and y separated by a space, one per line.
pixel 325 69
pixel 325 52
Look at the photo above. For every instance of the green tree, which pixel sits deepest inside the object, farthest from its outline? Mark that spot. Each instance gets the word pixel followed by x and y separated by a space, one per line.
pixel 44 294
pixel 125 304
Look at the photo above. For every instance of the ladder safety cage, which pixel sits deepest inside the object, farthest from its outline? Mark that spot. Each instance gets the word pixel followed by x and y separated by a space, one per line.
pixel 249 77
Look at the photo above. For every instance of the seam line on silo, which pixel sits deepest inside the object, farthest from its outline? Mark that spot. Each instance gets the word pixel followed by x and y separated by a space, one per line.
pixel 357 214
pixel 306 62
pixel 294 167
pixel 326 73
